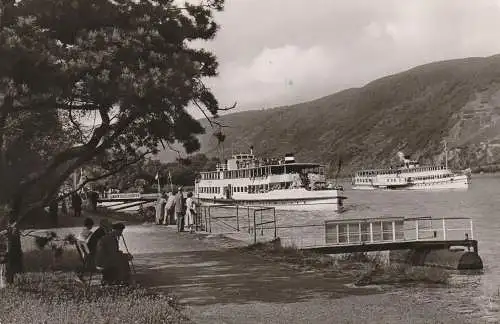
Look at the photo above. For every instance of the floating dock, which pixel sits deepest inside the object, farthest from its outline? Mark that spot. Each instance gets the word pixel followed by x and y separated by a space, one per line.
pixel 440 242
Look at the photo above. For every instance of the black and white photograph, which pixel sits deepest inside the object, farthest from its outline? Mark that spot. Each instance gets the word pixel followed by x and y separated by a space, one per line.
pixel 249 161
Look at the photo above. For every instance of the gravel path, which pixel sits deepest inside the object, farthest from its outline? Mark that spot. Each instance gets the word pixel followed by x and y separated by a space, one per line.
pixel 222 285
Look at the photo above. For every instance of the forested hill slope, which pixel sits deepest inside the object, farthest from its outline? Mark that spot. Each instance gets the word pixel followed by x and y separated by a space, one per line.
pixel 413 111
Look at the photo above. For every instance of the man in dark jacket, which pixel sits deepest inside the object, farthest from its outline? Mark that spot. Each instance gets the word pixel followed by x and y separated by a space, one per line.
pixel 76 203
pixel 115 263
pixel 180 206
pixel 104 227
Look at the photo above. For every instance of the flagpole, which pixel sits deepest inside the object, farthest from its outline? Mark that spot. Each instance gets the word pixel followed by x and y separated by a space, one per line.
pixel 170 179
pixel 158 179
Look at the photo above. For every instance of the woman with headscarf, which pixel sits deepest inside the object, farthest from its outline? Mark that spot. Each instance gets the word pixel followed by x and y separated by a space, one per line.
pixel 190 212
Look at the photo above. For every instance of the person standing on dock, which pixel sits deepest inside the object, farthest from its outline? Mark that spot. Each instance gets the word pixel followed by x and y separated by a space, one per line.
pixel 160 208
pixel 179 209
pixel 169 217
pixel 190 212
pixel 53 211
pixel 76 203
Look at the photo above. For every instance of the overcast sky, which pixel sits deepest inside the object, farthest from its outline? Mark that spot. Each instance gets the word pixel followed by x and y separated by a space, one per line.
pixel 277 52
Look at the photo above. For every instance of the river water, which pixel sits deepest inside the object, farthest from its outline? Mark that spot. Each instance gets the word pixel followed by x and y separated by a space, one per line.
pixel 475 294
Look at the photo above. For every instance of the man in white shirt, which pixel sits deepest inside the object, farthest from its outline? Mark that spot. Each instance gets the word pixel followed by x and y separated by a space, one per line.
pixel 160 206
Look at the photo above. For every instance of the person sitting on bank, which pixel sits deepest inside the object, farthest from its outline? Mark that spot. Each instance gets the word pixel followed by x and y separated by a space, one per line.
pixel 88 223
pixel 104 227
pixel 115 263
pixel 92 241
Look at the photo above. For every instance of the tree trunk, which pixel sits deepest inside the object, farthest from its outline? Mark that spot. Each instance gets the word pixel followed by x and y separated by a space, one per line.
pixel 14 255
pixel 3 260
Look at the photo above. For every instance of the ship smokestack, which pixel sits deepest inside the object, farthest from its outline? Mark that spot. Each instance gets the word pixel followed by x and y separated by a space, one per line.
pixel 289 158
pixel 404 158
pixel 401 156
pixel 251 149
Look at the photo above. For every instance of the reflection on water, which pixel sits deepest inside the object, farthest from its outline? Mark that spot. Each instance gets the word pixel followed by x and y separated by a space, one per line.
pixel 477 294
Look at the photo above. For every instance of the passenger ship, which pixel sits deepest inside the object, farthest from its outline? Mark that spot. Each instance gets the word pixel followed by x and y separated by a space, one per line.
pixel 410 175
pixel 283 184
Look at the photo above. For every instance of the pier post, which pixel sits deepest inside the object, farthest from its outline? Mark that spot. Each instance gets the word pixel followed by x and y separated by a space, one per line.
pixel 261 224
pixel 209 220
pixel 248 217
pixel 416 229
pixel 444 230
pixel 254 229
pixel 347 233
pixel 237 220
pixel 371 232
pixel 275 227
pixel 393 231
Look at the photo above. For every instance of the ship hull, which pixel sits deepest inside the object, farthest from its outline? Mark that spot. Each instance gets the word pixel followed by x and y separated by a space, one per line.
pixel 293 199
pixel 460 182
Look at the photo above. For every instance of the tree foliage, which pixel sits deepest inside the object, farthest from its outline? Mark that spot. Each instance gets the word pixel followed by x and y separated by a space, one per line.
pixel 141 175
pixel 116 76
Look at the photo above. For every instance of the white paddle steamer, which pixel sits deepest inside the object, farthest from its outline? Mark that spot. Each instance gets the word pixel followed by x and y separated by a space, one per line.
pixel 410 175
pixel 280 183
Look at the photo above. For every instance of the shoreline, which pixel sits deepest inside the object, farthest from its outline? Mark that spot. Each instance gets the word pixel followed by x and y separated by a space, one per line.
pixel 198 268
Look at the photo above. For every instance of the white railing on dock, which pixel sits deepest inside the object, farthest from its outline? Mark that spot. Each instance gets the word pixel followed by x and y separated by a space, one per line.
pixel 259 222
pixel 131 195
pixel 397 229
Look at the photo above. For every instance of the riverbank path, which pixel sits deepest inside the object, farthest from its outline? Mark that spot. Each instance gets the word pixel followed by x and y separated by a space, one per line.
pixel 219 283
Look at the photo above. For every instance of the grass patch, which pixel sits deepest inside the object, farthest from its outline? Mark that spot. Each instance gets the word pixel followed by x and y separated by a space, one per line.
pixel 58 298
pixel 378 273
pixel 363 268
pixel 289 254
pixel 48 292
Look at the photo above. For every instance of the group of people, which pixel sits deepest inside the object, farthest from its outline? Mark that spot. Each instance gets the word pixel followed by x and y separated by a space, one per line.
pixel 103 251
pixel 175 208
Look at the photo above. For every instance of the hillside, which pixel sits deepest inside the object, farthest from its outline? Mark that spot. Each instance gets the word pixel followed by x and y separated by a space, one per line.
pixel 413 111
